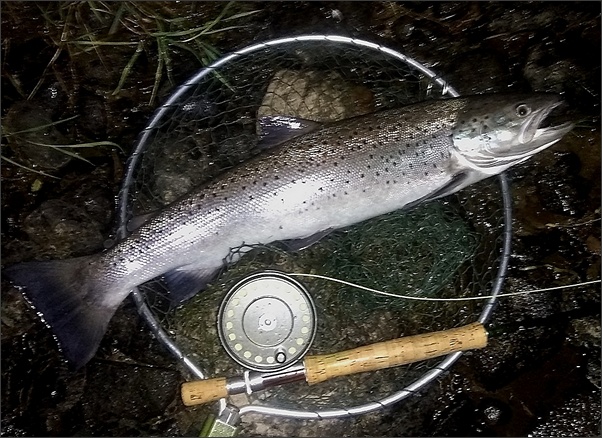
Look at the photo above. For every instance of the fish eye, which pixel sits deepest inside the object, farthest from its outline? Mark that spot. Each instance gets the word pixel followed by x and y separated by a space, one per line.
pixel 523 110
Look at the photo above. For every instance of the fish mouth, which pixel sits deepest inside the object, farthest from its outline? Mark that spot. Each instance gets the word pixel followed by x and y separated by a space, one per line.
pixel 538 132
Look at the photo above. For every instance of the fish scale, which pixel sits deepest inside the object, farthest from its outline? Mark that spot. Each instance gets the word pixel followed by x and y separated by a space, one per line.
pixel 320 178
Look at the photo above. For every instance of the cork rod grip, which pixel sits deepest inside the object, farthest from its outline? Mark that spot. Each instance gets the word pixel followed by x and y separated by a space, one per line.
pixel 203 391
pixel 395 352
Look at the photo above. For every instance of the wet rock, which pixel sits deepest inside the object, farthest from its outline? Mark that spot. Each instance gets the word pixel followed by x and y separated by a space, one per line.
pixel 544 74
pixel 578 416
pixel 148 393
pixel 487 79
pixel 31 138
pixel 174 173
pixel 585 333
pixel 314 95
pixel 563 190
pixel 61 228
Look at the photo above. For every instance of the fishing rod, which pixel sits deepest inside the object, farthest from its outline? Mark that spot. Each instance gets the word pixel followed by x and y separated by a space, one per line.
pixel 320 368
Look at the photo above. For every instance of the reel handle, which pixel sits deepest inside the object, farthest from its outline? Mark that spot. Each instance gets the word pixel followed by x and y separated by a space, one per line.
pixel 395 352
pixel 371 357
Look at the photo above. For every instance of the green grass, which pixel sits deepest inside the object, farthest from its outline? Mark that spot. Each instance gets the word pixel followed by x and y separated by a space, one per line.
pixel 158 29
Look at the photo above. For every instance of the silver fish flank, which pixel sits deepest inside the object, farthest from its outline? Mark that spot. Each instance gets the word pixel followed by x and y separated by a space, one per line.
pixel 317 178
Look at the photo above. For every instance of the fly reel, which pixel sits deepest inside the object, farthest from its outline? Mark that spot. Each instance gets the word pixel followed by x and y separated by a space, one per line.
pixel 267 321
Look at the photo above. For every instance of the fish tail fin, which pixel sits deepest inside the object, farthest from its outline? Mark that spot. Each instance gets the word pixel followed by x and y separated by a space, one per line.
pixel 69 301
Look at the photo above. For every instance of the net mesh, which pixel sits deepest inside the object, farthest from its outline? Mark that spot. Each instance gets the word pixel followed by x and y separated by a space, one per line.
pixel 447 248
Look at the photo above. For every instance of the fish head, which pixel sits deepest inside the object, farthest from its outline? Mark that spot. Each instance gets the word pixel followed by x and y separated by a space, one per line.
pixel 493 133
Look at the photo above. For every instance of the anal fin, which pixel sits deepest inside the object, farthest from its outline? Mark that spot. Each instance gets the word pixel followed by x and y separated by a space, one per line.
pixel 187 281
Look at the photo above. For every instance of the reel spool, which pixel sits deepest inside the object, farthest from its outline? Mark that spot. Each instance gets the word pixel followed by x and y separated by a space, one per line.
pixel 266 322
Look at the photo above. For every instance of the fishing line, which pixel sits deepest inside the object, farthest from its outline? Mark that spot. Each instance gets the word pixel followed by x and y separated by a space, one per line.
pixel 407 297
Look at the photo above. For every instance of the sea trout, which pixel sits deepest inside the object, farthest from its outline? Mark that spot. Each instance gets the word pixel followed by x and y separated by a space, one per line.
pixel 311 179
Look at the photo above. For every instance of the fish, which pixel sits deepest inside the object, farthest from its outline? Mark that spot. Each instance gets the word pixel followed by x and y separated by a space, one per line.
pixel 309 179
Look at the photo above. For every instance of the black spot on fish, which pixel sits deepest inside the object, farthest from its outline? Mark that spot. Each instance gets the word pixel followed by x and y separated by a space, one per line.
pixel 265 183
pixel 362 175
pixel 377 173
pixel 214 194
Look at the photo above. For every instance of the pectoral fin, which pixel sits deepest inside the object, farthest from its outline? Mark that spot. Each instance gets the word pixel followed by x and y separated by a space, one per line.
pixel 453 185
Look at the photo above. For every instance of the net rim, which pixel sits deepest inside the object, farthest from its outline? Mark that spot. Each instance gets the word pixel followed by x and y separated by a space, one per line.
pixel 125 193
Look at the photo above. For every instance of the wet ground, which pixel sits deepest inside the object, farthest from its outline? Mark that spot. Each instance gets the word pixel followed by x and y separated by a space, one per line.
pixel 539 375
